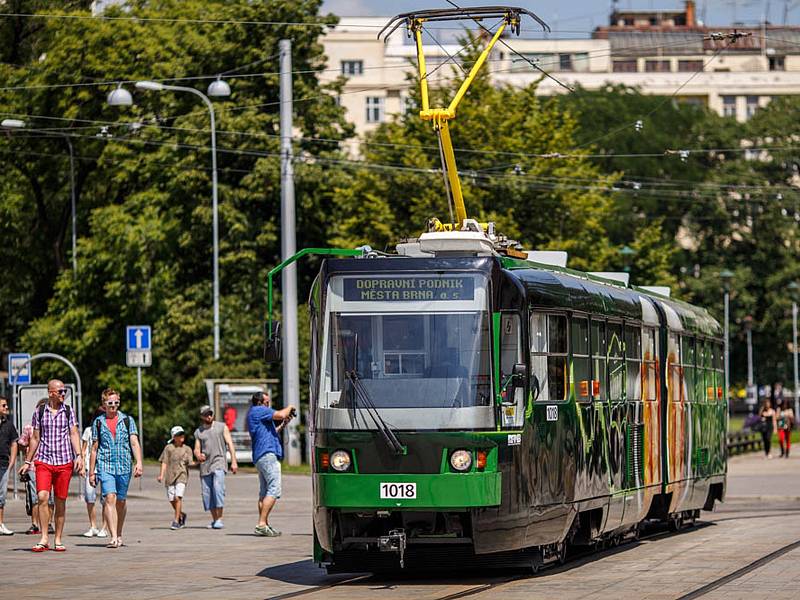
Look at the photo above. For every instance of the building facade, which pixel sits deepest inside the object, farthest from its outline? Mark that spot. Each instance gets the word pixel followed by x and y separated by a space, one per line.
pixel 661 53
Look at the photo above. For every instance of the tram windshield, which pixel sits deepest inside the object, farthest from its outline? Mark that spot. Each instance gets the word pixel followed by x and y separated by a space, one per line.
pixel 423 363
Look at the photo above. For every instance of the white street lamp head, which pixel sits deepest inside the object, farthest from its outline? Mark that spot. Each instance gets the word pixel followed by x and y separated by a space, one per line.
pixel 12 124
pixel 219 89
pixel 119 97
pixel 153 86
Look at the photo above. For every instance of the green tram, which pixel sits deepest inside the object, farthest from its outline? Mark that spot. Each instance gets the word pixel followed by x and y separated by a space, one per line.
pixel 471 407
pixel 492 409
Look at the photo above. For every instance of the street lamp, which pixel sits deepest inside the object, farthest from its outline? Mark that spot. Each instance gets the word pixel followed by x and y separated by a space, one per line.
pixel 19 124
pixel 794 288
pixel 726 277
pixel 119 97
pixel 217 89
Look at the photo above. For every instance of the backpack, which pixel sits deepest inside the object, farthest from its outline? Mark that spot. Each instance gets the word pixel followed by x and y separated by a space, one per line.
pixel 99 427
pixel 67 409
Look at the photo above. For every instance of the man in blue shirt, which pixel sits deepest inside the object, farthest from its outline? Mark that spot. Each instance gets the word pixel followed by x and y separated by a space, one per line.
pixel 267 453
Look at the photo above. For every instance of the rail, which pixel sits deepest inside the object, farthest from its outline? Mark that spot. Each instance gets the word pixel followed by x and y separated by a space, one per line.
pixel 740 442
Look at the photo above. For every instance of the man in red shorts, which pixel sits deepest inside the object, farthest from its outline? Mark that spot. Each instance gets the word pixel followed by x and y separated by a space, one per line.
pixel 54 451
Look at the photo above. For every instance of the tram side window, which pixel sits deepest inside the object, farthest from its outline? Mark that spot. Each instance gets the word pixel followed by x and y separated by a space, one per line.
pixel 689 372
pixel 510 355
pixel 549 355
pixel 709 391
pixel 581 376
pixel 633 357
pixel 616 361
pixel 598 359
pixel 719 372
pixel 649 364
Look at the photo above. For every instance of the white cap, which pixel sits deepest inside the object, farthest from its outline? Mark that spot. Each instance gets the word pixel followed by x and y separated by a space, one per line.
pixel 177 430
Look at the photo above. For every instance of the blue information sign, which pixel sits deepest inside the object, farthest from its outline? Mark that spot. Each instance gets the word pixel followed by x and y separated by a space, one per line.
pixel 19 366
pixel 138 337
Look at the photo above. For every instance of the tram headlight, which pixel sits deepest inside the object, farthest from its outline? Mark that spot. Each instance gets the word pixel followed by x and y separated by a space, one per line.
pixel 461 460
pixel 340 460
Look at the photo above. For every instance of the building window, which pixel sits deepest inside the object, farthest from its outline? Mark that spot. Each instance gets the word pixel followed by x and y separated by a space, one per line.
pixel 352 67
pixel 374 109
pixel 625 66
pixel 549 355
pixel 657 66
pixel 580 61
pixel 690 66
pixel 565 62
pixel 729 106
pixel 752 105
pixel 777 63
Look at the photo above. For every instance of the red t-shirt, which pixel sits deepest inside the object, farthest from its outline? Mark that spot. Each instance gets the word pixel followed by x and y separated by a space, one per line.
pixel 112 425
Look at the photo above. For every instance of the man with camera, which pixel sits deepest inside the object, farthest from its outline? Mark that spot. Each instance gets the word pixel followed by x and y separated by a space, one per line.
pixel 267 453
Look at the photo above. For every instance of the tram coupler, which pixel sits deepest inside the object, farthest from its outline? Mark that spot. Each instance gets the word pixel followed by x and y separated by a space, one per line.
pixel 394 542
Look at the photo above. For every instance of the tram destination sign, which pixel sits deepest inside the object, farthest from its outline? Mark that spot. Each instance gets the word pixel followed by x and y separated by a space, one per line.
pixel 408 289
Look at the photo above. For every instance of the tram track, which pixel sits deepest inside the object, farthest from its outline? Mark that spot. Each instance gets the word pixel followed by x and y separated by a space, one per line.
pixel 574 560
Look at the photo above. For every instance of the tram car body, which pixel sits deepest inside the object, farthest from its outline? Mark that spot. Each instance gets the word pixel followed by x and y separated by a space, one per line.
pixel 535 407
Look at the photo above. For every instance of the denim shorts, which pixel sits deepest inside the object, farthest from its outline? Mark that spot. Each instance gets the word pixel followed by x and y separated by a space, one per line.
pixel 212 488
pixel 269 476
pixel 3 487
pixel 114 484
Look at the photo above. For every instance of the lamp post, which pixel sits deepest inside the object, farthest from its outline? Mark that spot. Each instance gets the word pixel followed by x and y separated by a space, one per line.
pixel 726 277
pixel 19 124
pixel 794 288
pixel 217 89
pixel 748 325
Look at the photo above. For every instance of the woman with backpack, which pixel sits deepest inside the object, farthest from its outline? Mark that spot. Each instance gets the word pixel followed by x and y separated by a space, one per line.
pixel 115 446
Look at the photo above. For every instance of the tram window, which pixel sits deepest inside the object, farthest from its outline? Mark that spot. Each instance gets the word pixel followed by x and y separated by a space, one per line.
pixel 582 375
pixel 693 391
pixel 633 354
pixel 706 359
pixel 403 345
pixel 598 343
pixel 649 364
pixel 549 355
pixel 719 372
pixel 616 362
pixel 513 413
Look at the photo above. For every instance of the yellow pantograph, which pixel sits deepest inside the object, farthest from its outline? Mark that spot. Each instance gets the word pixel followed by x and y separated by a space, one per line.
pixel 440 117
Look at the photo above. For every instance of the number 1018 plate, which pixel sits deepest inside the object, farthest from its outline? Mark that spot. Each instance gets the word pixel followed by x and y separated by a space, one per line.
pixel 401 491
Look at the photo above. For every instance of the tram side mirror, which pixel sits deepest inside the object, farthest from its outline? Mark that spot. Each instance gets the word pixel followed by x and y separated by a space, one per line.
pixel 520 373
pixel 272 343
pixel 535 388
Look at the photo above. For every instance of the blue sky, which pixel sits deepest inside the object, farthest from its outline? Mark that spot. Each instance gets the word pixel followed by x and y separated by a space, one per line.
pixel 577 16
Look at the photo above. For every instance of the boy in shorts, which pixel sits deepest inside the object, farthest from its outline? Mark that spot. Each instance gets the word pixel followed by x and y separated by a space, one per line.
pixel 176 458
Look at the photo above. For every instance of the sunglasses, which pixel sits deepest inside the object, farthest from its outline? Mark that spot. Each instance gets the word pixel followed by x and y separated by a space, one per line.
pixel 112 402
pixel 208 414
pixel 62 392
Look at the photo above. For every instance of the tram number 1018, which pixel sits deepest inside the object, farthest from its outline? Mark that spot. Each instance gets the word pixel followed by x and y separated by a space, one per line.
pixel 398 490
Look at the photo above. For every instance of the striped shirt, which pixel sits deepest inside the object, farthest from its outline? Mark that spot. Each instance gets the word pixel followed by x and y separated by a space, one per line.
pixel 55 447
pixel 114 451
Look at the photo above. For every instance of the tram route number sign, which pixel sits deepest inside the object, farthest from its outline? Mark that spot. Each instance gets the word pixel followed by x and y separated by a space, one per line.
pixel 408 289
pixel 398 491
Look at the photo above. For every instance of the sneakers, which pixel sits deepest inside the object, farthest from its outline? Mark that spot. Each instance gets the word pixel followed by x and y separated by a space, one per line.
pixel 266 531
pixel 33 530
pixel 91 532
pixel 102 533
pixel 182 520
pixel 5 530
pixel 218 524
pixel 175 525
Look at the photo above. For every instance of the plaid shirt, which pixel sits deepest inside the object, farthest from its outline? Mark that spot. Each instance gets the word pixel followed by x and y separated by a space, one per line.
pixel 114 452
pixel 55 447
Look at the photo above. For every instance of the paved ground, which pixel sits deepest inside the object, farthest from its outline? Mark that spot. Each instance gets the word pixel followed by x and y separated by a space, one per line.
pixel 749 548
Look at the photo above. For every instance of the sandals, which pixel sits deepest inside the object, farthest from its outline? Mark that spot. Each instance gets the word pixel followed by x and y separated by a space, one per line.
pixel 59 548
pixel 113 544
pixel 40 548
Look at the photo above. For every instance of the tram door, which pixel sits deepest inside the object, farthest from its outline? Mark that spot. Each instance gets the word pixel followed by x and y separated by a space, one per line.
pixel 513 407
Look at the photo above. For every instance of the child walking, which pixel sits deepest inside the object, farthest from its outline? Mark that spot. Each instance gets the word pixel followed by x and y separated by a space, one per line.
pixel 176 458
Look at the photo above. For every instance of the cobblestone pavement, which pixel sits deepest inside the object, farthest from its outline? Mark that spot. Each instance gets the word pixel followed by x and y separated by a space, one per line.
pixel 748 548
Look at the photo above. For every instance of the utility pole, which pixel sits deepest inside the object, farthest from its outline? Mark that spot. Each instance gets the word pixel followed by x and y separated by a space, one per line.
pixel 291 375
pixel 751 388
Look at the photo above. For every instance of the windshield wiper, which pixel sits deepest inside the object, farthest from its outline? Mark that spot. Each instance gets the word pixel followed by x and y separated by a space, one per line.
pixel 360 395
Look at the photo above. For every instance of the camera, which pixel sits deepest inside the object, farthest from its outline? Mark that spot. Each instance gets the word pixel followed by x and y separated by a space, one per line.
pixel 25 477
